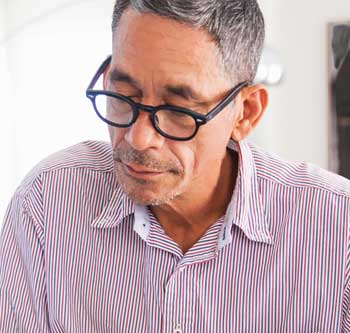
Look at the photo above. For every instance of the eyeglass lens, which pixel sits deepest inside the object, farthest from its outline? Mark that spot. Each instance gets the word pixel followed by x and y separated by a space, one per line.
pixel 173 123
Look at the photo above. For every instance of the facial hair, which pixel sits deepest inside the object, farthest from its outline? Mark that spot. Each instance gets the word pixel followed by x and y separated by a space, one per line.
pixel 126 154
pixel 131 155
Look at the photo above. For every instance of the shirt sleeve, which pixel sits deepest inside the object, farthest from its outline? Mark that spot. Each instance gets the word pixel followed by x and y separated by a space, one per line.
pixel 23 301
pixel 346 297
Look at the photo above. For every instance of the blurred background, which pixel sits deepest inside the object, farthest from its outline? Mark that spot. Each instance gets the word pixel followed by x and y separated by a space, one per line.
pixel 50 49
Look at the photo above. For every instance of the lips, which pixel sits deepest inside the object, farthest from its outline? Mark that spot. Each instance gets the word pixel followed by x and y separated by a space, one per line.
pixel 140 172
pixel 141 169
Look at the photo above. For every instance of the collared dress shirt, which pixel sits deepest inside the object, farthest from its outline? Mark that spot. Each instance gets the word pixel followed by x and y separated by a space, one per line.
pixel 77 255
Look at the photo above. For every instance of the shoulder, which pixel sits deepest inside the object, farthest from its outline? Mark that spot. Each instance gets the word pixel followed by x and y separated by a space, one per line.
pixel 94 155
pixel 89 156
pixel 298 174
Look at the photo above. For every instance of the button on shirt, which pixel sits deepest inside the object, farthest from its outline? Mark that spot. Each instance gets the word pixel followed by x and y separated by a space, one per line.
pixel 77 255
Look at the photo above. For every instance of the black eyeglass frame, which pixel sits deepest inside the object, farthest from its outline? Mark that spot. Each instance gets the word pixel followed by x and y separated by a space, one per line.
pixel 200 119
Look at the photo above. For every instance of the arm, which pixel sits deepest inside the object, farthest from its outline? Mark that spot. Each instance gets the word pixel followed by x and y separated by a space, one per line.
pixel 346 297
pixel 23 301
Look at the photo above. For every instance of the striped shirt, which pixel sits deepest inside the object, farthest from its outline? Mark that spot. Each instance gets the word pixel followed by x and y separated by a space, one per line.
pixel 77 255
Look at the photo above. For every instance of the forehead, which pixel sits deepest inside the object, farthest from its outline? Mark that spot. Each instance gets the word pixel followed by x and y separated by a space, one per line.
pixel 150 43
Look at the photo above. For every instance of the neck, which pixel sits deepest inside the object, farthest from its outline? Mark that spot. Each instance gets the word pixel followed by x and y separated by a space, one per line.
pixel 186 218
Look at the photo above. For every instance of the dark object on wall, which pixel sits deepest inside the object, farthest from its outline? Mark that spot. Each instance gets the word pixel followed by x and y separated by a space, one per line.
pixel 340 94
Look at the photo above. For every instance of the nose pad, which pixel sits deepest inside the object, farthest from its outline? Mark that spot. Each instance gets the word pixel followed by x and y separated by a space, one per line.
pixel 156 119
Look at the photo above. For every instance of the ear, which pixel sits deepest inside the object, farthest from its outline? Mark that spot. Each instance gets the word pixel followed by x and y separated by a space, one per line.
pixel 105 77
pixel 254 101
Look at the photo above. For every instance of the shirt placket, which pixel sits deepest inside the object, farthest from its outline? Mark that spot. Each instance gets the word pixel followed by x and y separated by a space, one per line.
pixel 179 291
pixel 174 316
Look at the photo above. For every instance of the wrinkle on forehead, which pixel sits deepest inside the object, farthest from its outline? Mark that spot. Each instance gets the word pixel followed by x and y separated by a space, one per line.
pixel 164 49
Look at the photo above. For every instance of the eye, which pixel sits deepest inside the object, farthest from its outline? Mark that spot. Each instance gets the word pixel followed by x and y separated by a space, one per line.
pixel 179 115
pixel 135 99
pixel 193 108
pixel 126 93
pixel 188 106
pixel 125 90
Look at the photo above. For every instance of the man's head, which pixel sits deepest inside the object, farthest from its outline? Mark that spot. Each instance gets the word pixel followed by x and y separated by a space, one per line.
pixel 236 26
pixel 188 54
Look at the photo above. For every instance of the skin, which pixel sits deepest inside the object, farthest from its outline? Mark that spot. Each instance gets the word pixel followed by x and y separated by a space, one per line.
pixel 187 185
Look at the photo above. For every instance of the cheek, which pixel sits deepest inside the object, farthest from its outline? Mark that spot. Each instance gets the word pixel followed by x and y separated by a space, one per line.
pixel 185 154
pixel 212 143
pixel 219 131
pixel 116 135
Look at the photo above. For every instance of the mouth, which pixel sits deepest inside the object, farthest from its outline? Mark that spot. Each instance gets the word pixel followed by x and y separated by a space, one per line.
pixel 140 172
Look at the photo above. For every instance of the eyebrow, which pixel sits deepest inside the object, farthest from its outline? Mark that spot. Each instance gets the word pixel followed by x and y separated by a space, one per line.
pixel 185 92
pixel 120 76
pixel 181 90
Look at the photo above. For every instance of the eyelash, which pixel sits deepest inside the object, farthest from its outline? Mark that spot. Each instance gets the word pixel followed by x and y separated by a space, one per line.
pixel 134 98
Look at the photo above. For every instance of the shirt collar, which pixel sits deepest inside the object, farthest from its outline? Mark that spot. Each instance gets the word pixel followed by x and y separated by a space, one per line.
pixel 245 210
pixel 116 210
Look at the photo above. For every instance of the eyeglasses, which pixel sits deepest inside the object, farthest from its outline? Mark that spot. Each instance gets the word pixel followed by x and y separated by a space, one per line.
pixel 173 122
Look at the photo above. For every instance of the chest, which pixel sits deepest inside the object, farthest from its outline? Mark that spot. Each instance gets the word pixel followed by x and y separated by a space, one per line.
pixel 117 282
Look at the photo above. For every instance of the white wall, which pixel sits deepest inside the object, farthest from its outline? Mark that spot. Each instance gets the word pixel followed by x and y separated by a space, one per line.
pixel 299 109
pixel 50 49
pixel 7 147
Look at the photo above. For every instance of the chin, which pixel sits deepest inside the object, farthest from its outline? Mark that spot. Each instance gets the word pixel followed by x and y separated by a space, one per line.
pixel 151 193
pixel 150 199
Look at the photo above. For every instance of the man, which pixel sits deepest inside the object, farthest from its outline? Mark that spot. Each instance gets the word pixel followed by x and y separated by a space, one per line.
pixel 180 224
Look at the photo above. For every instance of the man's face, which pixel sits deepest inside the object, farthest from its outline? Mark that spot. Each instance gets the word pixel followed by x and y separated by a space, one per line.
pixel 159 61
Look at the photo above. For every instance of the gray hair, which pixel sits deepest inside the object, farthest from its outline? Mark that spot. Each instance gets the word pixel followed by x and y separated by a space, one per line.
pixel 237 27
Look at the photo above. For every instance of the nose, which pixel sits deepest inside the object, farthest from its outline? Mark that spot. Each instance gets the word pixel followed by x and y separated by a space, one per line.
pixel 142 135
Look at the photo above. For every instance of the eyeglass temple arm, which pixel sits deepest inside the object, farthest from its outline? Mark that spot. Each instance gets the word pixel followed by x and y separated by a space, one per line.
pixel 227 100
pixel 101 69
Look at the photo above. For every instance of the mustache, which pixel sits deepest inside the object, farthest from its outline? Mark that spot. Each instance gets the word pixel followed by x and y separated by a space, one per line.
pixel 130 155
